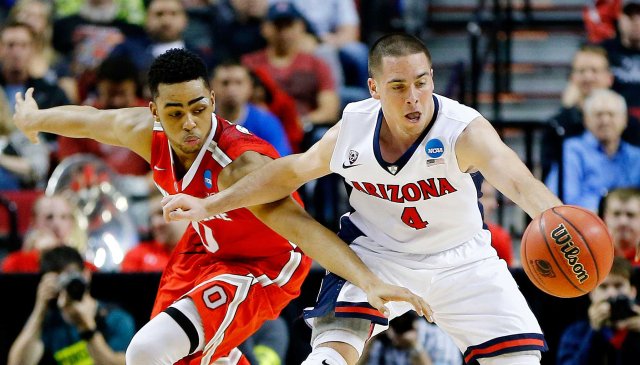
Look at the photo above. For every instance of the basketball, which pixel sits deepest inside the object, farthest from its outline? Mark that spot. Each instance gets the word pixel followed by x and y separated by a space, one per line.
pixel 566 251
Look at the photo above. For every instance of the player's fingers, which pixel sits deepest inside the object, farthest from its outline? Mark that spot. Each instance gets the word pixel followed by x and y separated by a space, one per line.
pixel 378 304
pixel 179 215
pixel 29 94
pixel 167 207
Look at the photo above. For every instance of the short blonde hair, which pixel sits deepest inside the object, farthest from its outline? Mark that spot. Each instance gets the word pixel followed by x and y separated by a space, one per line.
pixel 599 94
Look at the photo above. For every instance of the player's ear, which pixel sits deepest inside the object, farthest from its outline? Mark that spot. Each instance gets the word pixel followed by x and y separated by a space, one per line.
pixel 373 88
pixel 213 100
pixel 154 110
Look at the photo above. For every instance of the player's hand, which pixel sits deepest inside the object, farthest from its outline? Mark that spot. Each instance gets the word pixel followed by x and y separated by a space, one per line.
pixel 382 293
pixel 21 116
pixel 183 207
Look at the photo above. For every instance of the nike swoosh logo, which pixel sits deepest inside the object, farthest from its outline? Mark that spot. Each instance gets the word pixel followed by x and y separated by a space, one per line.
pixel 345 166
pixel 324 362
pixel 158 168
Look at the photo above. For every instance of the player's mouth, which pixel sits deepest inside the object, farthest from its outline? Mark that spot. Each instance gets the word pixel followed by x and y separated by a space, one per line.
pixel 413 117
pixel 192 141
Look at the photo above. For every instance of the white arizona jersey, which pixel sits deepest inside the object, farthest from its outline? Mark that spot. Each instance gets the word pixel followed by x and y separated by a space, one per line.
pixel 420 204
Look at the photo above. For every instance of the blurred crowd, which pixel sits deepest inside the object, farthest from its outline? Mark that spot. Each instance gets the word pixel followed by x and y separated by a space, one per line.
pixel 284 69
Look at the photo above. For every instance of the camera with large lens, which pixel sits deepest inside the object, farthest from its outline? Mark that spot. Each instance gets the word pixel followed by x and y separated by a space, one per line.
pixel 621 307
pixel 74 284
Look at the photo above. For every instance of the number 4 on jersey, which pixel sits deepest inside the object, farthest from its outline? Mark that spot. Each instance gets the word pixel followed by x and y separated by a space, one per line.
pixel 411 218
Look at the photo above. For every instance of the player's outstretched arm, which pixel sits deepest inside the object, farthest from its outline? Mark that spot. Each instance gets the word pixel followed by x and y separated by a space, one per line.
pixel 291 221
pixel 273 181
pixel 480 148
pixel 129 127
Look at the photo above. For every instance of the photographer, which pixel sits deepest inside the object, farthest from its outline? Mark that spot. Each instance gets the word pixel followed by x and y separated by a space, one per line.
pixel 611 335
pixel 67 325
pixel 411 340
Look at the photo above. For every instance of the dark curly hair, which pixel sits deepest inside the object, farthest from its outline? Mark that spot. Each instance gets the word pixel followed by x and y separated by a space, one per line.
pixel 175 66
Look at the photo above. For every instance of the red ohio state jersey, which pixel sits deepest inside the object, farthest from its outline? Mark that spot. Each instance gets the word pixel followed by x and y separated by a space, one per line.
pixel 235 235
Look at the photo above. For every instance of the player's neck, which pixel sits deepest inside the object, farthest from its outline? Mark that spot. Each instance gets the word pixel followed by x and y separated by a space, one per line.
pixel 395 140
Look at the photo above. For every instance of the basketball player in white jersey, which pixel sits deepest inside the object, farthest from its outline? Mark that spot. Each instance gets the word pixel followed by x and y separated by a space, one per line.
pixel 413 161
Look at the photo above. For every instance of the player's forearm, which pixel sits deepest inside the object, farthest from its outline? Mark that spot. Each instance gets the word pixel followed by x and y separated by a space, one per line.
pixel 69 120
pixel 317 242
pixel 533 197
pixel 272 182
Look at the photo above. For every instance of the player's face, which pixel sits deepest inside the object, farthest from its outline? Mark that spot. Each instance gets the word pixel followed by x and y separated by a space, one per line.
pixel 590 71
pixel 623 220
pixel 404 86
pixel 184 109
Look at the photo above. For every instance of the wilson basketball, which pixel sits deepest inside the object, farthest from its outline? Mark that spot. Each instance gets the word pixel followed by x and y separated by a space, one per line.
pixel 566 251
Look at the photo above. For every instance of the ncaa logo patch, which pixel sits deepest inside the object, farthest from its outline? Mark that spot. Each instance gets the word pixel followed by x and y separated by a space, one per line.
pixel 242 129
pixel 207 179
pixel 434 148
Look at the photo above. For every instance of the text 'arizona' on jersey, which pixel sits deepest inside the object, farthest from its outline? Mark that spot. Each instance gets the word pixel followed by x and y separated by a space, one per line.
pixel 420 204
pixel 235 235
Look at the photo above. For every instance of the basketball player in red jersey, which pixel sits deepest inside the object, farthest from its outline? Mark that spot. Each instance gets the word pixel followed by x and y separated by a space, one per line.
pixel 229 272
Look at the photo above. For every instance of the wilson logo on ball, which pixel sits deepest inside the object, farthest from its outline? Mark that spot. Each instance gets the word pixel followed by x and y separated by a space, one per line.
pixel 571 253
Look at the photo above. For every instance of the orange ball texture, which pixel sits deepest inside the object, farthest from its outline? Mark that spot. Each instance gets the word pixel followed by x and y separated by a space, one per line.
pixel 567 251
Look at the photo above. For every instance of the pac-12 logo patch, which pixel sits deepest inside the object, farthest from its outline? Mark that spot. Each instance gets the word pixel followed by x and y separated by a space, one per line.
pixel 207 179
pixel 353 156
pixel 434 148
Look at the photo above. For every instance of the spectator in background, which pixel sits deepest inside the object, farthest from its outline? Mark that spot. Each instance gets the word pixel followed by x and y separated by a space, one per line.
pixel 411 340
pixel 53 224
pixel 269 96
pixel 238 27
pixel 22 164
pixel 500 237
pixel 233 87
pixel 17 48
pixel 589 71
pixel 335 37
pixel 153 255
pixel 129 11
pixel 86 38
pixel 598 160
pixel 165 26
pixel 38 14
pixel 621 213
pixel 624 58
pixel 67 325
pixel 268 345
pixel 611 335
pixel 117 87
pixel 303 76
